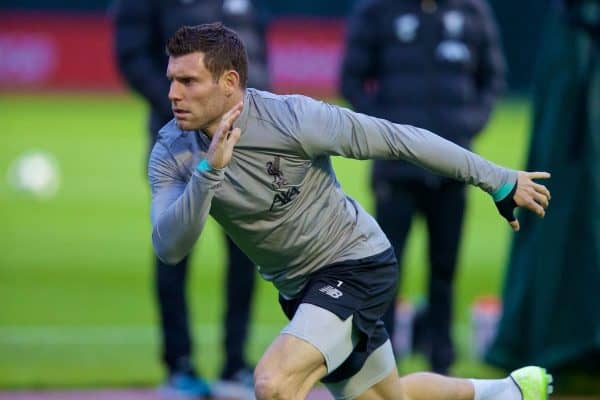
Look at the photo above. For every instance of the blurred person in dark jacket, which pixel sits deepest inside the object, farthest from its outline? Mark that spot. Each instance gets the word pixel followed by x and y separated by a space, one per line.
pixel 142 29
pixel 437 65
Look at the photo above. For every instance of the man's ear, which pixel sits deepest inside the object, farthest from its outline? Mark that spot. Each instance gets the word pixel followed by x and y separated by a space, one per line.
pixel 230 81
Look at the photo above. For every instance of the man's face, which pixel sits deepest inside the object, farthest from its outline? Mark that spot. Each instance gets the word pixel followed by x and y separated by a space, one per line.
pixel 197 101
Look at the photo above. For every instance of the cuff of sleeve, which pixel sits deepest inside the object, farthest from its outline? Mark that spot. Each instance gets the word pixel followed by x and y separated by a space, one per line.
pixel 505 189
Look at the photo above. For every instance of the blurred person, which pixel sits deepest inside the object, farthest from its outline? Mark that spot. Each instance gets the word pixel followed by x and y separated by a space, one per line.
pixel 553 273
pixel 142 30
pixel 259 163
pixel 436 64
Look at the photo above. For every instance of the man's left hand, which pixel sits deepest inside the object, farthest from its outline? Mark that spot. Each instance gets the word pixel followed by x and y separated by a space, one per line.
pixel 529 195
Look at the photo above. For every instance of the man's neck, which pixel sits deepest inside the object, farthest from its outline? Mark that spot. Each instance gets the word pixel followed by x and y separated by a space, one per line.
pixel 232 101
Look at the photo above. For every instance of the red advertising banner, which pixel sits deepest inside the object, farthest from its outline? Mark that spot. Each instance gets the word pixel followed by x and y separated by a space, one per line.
pixel 41 51
pixel 56 51
pixel 305 55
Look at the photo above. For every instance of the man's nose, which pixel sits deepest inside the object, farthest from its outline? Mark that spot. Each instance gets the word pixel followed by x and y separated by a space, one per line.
pixel 174 92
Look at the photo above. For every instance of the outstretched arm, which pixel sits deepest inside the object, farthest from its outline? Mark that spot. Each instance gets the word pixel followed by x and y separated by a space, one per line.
pixel 324 129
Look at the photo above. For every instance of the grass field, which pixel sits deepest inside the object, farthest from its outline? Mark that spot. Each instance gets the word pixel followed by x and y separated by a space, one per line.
pixel 76 304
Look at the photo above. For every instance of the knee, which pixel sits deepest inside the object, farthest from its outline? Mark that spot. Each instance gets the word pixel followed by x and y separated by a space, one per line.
pixel 269 385
pixel 265 389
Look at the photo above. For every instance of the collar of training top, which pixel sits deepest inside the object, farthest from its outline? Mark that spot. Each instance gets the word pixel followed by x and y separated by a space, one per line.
pixel 242 120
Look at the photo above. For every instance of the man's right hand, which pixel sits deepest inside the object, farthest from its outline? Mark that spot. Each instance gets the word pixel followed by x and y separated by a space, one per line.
pixel 225 138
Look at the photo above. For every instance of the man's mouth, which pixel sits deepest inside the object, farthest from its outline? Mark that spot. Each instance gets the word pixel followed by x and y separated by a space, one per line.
pixel 178 112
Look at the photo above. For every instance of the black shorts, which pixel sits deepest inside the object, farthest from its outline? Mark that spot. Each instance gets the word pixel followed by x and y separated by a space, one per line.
pixel 361 288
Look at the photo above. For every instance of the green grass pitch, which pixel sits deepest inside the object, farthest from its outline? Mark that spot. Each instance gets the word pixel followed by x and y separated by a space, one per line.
pixel 76 302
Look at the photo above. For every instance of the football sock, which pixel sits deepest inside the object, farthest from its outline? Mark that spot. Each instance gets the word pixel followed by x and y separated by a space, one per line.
pixel 496 389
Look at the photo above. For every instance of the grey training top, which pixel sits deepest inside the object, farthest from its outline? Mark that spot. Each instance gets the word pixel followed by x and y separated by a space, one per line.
pixel 279 199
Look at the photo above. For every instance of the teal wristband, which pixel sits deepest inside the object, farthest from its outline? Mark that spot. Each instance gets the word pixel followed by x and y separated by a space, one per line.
pixel 503 191
pixel 204 166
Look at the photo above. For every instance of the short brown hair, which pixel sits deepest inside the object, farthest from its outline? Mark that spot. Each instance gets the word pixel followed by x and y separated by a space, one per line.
pixel 222 47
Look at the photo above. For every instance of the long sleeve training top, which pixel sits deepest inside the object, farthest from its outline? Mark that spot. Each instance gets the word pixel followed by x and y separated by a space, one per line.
pixel 279 199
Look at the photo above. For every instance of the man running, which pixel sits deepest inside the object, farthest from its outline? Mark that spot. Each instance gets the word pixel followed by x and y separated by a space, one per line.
pixel 259 163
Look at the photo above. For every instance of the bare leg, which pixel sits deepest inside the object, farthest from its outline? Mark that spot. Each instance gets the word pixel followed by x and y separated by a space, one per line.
pixel 288 370
pixel 420 386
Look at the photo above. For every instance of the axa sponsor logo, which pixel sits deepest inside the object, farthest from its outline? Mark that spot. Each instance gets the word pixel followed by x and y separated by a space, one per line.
pixel 284 197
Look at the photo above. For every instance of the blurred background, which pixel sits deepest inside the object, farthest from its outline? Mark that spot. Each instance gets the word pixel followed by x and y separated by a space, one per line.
pixel 76 303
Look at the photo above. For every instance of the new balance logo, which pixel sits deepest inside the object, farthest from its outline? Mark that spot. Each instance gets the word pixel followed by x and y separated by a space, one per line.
pixel 331 291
